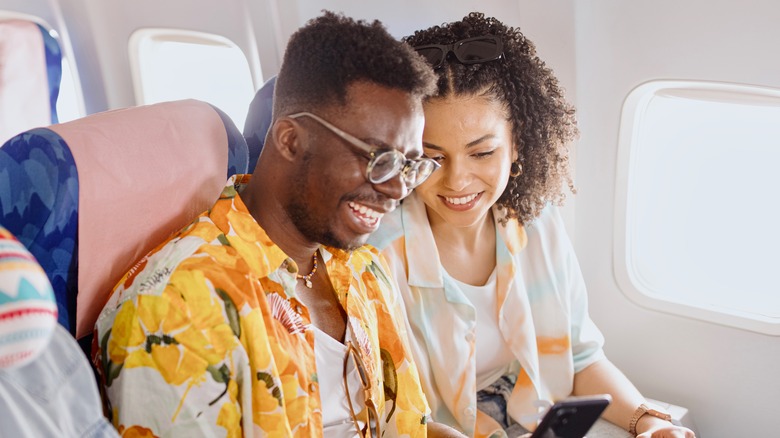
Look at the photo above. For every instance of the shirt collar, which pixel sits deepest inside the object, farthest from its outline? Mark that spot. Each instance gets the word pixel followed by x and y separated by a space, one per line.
pixel 425 265
pixel 278 264
pixel 230 210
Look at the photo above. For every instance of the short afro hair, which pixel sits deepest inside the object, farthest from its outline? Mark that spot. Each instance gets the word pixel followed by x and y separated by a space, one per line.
pixel 332 51
pixel 543 122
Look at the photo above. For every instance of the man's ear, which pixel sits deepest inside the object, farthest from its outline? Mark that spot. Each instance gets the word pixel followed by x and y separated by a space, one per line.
pixel 286 139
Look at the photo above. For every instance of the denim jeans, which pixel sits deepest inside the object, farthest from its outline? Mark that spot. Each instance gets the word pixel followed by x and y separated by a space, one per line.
pixel 492 401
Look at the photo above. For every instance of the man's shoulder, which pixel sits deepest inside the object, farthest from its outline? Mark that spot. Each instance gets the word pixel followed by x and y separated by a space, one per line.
pixel 151 273
pixel 370 256
pixel 368 250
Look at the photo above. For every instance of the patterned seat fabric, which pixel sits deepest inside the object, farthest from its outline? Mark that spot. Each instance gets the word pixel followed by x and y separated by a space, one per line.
pixel 258 120
pixel 90 197
pixel 39 194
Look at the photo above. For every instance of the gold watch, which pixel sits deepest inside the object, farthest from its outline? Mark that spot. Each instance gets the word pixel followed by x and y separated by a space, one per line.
pixel 642 410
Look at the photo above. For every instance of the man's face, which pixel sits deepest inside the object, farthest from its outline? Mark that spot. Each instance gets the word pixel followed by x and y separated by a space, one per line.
pixel 333 202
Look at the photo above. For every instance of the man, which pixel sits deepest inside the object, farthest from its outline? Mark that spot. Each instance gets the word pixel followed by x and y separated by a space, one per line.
pixel 266 315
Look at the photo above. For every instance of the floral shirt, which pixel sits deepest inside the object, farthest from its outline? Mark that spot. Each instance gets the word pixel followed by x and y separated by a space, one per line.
pixel 205 336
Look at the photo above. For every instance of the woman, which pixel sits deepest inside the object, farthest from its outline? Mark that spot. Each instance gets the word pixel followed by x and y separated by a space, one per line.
pixel 495 300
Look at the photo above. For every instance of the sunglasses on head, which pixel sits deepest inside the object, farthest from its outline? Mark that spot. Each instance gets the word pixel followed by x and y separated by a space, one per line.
pixel 467 51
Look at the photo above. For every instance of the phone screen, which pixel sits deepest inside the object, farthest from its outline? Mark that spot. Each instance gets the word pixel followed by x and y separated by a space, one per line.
pixel 572 418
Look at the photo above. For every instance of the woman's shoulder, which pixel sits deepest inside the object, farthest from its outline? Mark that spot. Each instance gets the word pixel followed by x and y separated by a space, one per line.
pixel 549 222
pixel 547 233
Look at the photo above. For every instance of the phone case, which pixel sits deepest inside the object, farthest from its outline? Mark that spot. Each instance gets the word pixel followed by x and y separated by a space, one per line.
pixel 572 417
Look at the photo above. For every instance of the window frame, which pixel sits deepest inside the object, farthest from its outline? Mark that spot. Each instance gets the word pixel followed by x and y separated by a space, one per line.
pixel 139 36
pixel 627 276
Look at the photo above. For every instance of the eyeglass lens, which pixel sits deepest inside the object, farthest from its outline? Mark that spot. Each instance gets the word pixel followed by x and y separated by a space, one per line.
pixel 476 51
pixel 468 51
pixel 387 165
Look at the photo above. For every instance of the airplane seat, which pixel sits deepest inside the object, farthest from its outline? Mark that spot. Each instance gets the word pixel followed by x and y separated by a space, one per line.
pixel 31 61
pixel 258 120
pixel 90 197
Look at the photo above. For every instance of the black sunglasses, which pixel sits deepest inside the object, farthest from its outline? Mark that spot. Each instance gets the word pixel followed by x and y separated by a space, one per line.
pixel 468 51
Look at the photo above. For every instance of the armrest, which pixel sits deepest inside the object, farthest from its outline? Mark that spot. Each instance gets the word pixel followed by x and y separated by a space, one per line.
pixel 680 415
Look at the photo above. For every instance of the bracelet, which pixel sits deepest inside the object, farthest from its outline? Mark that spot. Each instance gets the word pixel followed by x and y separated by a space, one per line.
pixel 640 412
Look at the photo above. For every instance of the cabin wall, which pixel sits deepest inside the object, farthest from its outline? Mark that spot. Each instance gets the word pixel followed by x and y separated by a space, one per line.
pixel 105 26
pixel 726 376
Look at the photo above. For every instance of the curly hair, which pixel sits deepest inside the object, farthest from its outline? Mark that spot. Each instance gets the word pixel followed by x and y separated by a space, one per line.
pixel 543 122
pixel 332 51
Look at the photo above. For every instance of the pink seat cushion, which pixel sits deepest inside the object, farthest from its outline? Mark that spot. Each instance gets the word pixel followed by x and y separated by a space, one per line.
pixel 144 172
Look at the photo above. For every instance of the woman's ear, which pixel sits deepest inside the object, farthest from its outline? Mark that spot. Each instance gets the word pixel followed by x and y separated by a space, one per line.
pixel 515 155
pixel 285 138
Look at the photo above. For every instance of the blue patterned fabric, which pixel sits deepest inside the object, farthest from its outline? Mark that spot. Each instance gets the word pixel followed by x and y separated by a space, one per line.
pixel 39 198
pixel 39 194
pixel 53 69
pixel 238 154
pixel 258 121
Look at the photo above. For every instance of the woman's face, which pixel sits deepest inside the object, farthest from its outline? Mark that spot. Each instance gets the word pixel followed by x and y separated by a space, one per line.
pixel 472 140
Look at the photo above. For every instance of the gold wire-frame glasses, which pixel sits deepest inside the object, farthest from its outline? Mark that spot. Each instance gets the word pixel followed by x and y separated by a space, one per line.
pixel 371 428
pixel 383 164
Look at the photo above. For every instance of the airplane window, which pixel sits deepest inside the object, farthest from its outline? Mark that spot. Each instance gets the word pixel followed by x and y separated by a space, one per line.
pixel 173 64
pixel 696 211
pixel 69 106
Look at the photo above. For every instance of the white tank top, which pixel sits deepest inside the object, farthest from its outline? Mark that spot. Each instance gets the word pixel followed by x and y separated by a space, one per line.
pixel 329 357
pixel 492 353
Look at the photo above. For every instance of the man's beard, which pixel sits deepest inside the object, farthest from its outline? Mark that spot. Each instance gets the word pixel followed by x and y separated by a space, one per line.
pixel 312 227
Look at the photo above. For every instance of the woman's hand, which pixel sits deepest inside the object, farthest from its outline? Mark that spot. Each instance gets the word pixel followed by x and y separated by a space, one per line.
pixel 661 429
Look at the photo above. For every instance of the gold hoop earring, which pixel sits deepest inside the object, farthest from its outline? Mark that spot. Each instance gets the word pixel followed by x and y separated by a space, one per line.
pixel 516 169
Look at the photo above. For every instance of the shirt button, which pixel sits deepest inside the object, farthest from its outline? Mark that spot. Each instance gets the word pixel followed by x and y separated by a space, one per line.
pixel 469 411
pixel 470 337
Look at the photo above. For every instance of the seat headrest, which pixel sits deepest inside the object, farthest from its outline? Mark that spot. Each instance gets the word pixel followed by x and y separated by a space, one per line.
pixel 29 78
pixel 139 174
pixel 258 120
pixel 144 173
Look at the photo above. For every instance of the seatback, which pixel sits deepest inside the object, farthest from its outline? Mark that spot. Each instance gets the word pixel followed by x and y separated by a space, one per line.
pixel 258 120
pixel 30 74
pixel 90 197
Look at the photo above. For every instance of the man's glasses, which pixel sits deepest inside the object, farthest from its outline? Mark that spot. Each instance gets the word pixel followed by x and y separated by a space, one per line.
pixel 383 164
pixel 468 51
pixel 370 428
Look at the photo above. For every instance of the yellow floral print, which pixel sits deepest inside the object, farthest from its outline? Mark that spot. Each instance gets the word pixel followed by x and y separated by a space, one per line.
pixel 205 334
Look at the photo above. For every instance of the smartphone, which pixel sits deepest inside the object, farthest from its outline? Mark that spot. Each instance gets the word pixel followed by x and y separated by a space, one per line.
pixel 572 417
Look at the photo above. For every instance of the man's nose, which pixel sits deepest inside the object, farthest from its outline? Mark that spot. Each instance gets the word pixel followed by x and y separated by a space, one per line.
pixel 394 188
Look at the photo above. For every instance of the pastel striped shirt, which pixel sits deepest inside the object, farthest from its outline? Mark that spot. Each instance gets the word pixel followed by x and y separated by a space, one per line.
pixel 543 315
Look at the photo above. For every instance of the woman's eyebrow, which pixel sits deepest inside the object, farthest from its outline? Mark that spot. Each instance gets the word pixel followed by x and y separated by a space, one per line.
pixel 468 145
pixel 479 140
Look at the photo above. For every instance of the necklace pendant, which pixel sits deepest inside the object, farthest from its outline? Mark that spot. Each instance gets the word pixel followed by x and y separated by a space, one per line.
pixel 307 282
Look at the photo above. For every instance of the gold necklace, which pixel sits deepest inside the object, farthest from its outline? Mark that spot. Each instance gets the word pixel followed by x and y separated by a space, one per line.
pixel 307 278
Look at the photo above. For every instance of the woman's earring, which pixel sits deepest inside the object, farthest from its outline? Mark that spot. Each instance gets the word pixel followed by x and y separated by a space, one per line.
pixel 516 169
